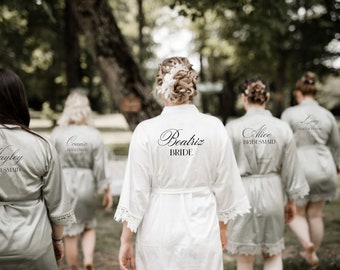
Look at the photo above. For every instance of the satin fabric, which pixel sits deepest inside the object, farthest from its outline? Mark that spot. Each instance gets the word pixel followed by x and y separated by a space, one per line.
pixel 317 136
pixel 266 154
pixel 181 179
pixel 32 196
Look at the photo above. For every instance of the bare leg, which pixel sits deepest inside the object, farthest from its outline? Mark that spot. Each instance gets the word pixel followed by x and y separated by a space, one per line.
pixel 88 244
pixel 314 217
pixel 245 262
pixel 71 251
pixel 300 227
pixel 272 262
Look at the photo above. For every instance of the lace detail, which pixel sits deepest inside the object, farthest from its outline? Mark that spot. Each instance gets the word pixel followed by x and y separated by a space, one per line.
pixel 255 249
pixel 316 198
pixel 122 214
pixel 299 193
pixel 66 219
pixel 242 208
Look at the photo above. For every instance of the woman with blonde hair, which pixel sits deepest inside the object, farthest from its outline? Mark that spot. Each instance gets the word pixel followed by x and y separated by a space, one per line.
pixel 266 155
pixel 317 137
pixel 182 184
pixel 82 154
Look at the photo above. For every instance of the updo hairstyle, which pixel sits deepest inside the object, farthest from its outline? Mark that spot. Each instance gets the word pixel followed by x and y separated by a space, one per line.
pixel 256 90
pixel 177 80
pixel 77 109
pixel 306 85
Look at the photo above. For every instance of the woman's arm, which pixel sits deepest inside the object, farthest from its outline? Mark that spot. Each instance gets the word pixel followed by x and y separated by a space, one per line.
pixel 223 234
pixel 126 254
pixel 107 199
pixel 58 242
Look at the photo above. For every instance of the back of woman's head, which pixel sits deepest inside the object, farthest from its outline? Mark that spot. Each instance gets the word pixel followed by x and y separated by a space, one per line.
pixel 77 109
pixel 13 100
pixel 256 90
pixel 176 80
pixel 306 84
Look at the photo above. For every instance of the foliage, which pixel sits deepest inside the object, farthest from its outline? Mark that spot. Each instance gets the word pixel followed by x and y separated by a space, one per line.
pixel 278 40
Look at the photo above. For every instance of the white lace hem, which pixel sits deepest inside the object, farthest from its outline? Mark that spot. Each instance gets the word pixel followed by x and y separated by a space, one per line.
pixel 242 208
pixel 255 249
pixel 316 198
pixel 300 193
pixel 122 214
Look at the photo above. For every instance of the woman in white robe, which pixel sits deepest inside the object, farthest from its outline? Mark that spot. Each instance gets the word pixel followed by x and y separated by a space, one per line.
pixel 182 185
pixel 34 203
pixel 317 136
pixel 83 159
pixel 267 158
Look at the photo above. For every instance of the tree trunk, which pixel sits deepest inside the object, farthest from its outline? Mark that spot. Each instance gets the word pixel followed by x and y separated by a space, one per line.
pixel 73 74
pixel 110 51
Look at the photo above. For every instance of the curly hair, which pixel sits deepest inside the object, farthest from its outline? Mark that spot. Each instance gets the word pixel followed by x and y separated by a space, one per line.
pixel 77 110
pixel 177 80
pixel 306 84
pixel 256 90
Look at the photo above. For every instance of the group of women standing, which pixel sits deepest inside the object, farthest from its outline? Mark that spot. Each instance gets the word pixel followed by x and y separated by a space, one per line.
pixel 192 186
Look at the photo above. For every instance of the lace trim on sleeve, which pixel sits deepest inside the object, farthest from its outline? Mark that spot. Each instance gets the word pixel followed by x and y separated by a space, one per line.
pixel 241 207
pixel 122 214
pixel 66 219
pixel 299 193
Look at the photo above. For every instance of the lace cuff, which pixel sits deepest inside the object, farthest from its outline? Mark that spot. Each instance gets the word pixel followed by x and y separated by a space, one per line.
pixel 299 193
pixel 242 208
pixel 122 214
pixel 65 219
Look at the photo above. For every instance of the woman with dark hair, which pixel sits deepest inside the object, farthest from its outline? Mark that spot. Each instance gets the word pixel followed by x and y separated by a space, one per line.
pixel 317 137
pixel 266 156
pixel 182 184
pixel 34 203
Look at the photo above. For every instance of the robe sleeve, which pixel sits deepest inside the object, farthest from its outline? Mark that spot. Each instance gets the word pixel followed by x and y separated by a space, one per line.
pixel 228 188
pixel 99 169
pixel 293 178
pixel 334 141
pixel 54 191
pixel 136 189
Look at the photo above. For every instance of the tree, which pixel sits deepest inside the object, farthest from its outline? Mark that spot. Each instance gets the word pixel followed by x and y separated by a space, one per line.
pixel 276 39
pixel 110 52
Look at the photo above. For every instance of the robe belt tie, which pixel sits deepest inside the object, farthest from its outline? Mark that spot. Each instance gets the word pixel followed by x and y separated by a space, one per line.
pixel 25 203
pixel 180 190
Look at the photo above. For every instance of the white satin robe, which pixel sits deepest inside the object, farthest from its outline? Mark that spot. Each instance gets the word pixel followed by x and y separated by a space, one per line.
pixel 181 180
pixel 317 137
pixel 33 196
pixel 83 159
pixel 267 158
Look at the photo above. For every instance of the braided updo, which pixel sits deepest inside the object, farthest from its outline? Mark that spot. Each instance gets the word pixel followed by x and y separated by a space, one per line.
pixel 306 84
pixel 176 80
pixel 256 90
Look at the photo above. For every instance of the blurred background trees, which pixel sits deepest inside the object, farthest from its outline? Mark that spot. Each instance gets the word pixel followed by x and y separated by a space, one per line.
pixel 112 48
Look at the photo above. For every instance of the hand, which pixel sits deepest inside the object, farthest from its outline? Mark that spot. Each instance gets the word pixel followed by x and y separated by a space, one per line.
pixel 126 256
pixel 290 211
pixel 223 235
pixel 58 251
pixel 107 199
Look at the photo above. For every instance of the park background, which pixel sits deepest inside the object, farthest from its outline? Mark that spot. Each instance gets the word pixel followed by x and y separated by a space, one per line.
pixel 112 48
